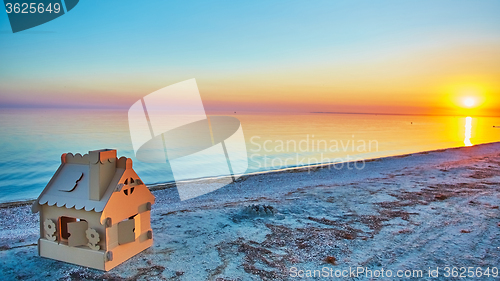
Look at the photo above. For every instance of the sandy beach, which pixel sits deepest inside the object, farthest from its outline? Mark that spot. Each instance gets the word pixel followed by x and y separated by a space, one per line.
pixel 411 212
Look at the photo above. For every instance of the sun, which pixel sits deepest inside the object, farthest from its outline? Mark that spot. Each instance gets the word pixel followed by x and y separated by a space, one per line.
pixel 469 98
pixel 469 102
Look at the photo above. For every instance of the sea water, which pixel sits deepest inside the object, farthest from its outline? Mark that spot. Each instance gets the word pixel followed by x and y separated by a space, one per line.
pixel 32 141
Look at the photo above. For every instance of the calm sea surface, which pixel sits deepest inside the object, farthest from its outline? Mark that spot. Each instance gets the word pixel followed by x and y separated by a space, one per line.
pixel 32 141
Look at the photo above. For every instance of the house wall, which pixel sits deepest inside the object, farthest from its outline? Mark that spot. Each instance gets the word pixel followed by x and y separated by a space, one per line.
pixel 92 218
pixel 123 252
pixel 121 206
pixel 142 220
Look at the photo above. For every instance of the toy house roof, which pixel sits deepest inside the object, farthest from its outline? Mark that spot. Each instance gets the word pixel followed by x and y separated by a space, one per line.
pixel 79 178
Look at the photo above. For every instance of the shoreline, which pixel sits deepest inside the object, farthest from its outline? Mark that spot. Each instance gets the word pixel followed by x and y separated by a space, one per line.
pixel 161 186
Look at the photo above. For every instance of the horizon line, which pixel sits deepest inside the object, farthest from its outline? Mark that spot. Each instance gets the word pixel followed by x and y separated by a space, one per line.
pixel 400 114
pixel 230 110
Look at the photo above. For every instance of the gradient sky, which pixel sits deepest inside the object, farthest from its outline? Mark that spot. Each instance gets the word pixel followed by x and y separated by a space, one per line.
pixel 296 56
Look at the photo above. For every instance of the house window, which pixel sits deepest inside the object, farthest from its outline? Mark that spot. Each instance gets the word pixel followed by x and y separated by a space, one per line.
pixel 72 230
pixel 63 226
pixel 129 186
pixel 129 229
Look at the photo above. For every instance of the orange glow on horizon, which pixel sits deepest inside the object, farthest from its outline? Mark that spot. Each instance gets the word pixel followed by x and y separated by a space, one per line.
pixel 475 97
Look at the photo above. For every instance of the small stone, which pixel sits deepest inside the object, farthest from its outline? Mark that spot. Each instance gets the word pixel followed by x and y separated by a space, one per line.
pixel 302 246
pixel 465 231
pixel 348 236
pixel 331 260
pixel 440 197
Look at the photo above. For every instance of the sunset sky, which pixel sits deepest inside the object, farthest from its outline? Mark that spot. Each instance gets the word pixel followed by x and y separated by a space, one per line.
pixel 422 57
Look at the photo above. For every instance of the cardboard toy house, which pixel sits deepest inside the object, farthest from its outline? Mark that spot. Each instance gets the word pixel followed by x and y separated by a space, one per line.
pixel 95 211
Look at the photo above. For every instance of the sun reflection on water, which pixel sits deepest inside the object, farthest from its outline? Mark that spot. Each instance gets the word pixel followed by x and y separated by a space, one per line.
pixel 468 131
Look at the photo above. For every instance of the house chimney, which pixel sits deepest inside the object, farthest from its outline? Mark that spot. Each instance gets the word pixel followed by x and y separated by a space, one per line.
pixel 102 169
